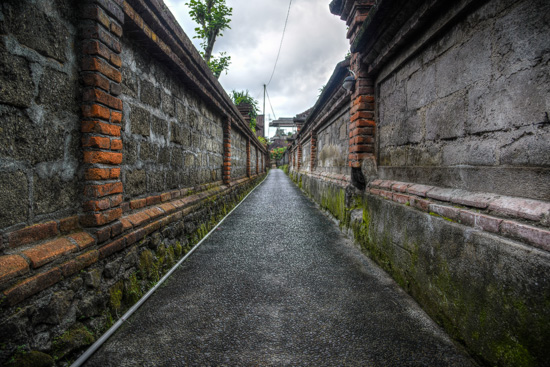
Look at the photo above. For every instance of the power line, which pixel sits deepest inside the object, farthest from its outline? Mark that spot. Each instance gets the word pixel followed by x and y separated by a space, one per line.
pixel 281 44
pixel 275 117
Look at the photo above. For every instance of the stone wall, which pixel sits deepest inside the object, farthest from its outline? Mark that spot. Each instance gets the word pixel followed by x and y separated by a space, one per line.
pixel 39 111
pixel 171 138
pixel 454 104
pixel 447 185
pixel 332 145
pixel 116 152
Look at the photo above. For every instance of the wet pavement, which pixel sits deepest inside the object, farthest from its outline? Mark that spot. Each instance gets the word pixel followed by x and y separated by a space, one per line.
pixel 279 285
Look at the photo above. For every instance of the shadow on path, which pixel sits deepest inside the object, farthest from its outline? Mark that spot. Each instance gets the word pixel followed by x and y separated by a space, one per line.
pixel 279 285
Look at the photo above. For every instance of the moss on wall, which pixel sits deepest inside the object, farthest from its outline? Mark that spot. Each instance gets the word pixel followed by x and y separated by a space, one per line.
pixel 489 293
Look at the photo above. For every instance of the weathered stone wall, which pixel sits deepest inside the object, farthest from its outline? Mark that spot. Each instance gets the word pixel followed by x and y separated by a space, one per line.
pixel 171 138
pixel 332 145
pixel 238 156
pixel 115 159
pixel 456 103
pixel 254 160
pixel 39 131
pixel 306 153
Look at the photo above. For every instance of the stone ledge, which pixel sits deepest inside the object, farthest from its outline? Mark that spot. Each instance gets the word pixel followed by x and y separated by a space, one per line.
pixel 492 213
pixel 19 285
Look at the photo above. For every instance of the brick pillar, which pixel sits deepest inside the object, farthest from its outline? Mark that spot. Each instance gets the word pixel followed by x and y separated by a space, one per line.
pixel 313 151
pixel 226 174
pixel 257 160
pixel 101 30
pixel 299 156
pixel 362 125
pixel 248 170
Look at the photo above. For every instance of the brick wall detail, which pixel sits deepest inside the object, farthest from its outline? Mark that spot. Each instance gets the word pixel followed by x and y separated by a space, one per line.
pixel 226 173
pixel 101 30
pixel 313 153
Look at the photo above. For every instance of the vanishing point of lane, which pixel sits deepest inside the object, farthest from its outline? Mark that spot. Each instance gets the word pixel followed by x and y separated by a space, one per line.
pixel 279 285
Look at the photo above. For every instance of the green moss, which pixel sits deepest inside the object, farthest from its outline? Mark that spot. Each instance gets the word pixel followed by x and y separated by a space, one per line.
pixel 512 353
pixel 72 341
pixel 115 295
pixel 146 264
pixel 170 257
pixel 31 359
pixel 178 249
pixel 132 290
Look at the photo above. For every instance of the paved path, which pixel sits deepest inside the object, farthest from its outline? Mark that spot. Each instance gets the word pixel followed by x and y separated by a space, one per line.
pixel 278 285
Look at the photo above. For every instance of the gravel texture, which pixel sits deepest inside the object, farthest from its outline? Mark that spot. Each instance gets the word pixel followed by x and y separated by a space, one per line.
pixel 277 284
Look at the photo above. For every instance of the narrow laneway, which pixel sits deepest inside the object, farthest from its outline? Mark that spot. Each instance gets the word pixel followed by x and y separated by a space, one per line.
pixel 279 285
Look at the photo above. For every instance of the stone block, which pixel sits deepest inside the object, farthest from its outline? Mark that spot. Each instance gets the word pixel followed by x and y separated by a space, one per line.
pixel 20 139
pixel 16 84
pixel 129 82
pixel 421 87
pixel 475 152
pixel 461 66
pixel 51 194
pixel 130 151
pixel 140 120
pixel 58 92
pixel 159 127
pixel 180 111
pixel 37 30
pixel 527 147
pixel 14 206
pixel 148 151
pixel 164 156
pixel 150 94
pixel 494 106
pixel 167 104
pixel 155 181
pixel 135 183
pixel 522 36
pixel 446 117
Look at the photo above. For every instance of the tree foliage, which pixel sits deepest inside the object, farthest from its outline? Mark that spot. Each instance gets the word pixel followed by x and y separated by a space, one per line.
pixel 243 97
pixel 213 16
pixel 277 153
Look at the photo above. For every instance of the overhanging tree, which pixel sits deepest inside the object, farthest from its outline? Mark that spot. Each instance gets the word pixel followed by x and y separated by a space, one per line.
pixel 213 16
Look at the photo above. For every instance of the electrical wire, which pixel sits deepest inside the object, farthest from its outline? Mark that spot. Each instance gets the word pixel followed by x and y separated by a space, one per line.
pixel 281 44
pixel 274 116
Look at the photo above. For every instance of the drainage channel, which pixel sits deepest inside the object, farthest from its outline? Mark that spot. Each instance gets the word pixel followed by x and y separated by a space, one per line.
pixel 90 351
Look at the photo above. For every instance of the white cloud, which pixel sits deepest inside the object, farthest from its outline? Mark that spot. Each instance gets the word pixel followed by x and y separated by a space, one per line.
pixel 315 41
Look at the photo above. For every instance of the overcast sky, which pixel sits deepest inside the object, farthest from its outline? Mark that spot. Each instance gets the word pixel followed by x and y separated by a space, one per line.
pixel 315 41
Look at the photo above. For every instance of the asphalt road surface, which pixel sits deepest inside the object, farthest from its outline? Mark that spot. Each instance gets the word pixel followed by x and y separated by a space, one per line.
pixel 279 285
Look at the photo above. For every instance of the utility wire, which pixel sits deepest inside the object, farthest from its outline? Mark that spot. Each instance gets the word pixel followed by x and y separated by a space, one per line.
pixel 281 44
pixel 274 117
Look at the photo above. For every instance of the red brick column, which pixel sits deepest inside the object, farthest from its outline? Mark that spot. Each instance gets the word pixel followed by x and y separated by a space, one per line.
pixel 299 156
pixel 257 160
pixel 313 151
pixel 101 30
pixel 226 174
pixel 362 125
pixel 248 170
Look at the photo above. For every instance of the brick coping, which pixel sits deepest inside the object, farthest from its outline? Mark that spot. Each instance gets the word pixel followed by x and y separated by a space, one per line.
pixel 521 219
pixel 42 262
pixel 335 178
